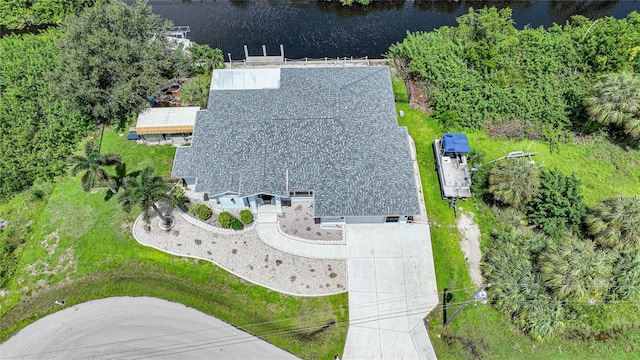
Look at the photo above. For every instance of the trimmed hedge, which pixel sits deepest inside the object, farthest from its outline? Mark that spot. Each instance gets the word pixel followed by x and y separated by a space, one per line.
pixel 236 224
pixel 225 219
pixel 202 211
pixel 246 216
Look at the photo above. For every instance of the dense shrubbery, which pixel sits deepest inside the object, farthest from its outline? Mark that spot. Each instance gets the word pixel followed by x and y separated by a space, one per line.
pixel 55 86
pixel 615 223
pixel 38 130
pixel 202 211
pixel 550 283
pixel 228 221
pixel 516 286
pixel 246 216
pixel 558 204
pixel 18 14
pixel 484 70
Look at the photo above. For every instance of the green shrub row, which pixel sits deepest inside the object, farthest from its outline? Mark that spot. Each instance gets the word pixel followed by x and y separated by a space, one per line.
pixel 228 221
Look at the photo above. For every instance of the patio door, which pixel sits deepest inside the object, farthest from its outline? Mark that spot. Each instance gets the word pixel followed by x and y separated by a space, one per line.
pixel 266 199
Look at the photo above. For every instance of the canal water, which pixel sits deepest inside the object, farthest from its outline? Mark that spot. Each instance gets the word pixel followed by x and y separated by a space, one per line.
pixel 317 29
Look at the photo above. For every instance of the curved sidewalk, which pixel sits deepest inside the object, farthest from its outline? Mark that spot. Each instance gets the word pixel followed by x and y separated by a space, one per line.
pixel 248 257
pixel 267 227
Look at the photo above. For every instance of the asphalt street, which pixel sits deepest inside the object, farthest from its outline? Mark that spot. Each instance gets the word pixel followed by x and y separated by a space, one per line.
pixel 135 328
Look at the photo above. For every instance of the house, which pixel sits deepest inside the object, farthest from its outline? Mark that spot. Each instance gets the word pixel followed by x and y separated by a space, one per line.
pixel 272 136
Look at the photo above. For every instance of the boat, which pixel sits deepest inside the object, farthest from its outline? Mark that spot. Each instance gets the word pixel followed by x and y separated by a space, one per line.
pixel 450 154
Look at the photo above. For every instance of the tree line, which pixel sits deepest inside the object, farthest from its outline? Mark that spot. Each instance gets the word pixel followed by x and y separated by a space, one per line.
pixel 484 73
pixel 97 68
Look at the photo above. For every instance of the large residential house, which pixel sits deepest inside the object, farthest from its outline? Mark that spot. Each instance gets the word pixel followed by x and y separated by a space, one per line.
pixel 271 136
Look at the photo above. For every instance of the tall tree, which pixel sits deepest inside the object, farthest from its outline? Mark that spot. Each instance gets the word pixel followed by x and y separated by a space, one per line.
pixel 114 55
pixel 514 181
pixel 574 269
pixel 38 129
pixel 18 14
pixel 615 100
pixel 144 190
pixel 615 223
pixel 93 163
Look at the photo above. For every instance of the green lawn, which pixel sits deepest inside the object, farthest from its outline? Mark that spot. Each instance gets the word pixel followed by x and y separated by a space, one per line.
pixel 605 169
pixel 481 331
pixel 79 247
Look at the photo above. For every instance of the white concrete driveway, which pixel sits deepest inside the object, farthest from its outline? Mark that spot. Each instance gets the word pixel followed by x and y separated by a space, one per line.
pixel 392 287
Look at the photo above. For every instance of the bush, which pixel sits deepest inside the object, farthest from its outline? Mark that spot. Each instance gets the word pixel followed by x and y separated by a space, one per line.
pixel 558 205
pixel 179 194
pixel 236 224
pixel 246 216
pixel 516 288
pixel 202 211
pixel 225 218
pixel 514 181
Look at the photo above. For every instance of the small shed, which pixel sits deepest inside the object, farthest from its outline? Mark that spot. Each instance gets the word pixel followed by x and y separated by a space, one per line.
pixel 167 120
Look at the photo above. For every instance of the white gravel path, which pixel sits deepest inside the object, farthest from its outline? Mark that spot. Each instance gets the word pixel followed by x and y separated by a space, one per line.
pixel 246 256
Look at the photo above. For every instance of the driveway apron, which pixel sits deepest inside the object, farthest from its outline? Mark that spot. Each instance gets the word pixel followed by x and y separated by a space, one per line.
pixel 392 287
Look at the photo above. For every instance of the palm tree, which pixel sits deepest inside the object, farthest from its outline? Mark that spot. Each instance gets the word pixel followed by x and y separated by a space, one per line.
pixel 615 223
pixel 627 275
pixel 514 181
pixel 144 189
pixel 93 163
pixel 574 269
pixel 615 99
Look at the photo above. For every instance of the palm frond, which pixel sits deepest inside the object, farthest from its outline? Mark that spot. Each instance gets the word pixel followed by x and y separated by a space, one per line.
pixel 87 181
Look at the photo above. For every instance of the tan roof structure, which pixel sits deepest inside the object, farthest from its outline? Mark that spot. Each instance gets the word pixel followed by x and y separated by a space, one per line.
pixel 168 120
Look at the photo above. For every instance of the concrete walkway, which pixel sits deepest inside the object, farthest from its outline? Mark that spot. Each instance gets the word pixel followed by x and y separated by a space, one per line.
pixel 248 257
pixel 392 287
pixel 135 328
pixel 268 231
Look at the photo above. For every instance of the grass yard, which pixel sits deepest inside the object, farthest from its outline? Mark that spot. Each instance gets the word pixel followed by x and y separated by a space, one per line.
pixel 481 331
pixel 78 247
pixel 605 169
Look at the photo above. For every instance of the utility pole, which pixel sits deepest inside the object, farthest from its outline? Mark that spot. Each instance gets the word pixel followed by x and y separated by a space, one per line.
pixel 479 295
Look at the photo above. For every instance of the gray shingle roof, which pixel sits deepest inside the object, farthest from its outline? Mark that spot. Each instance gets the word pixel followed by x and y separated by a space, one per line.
pixel 332 130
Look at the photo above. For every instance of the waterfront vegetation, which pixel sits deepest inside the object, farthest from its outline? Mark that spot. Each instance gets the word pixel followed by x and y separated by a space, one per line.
pixel 571 88
pixel 20 14
pixel 531 83
pixel 605 330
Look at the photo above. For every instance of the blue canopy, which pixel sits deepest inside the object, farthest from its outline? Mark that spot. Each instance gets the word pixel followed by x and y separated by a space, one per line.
pixel 456 143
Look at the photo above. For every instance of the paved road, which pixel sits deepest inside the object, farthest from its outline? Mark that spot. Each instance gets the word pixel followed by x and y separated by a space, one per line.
pixel 135 328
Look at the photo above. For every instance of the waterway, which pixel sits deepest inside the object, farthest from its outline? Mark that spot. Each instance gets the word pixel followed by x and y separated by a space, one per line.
pixel 317 29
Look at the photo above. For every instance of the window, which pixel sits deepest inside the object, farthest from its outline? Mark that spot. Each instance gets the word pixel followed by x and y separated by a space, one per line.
pixel 301 193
